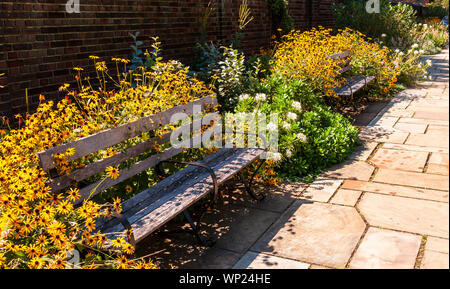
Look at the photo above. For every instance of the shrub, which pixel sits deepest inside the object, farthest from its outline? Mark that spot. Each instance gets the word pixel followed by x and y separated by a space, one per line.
pixel 280 15
pixel 393 20
pixel 311 136
pixel 409 65
pixel 224 67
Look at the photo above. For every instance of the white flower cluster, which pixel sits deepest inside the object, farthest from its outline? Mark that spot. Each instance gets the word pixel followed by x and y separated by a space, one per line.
pixel 272 126
pixel 292 116
pixel 302 137
pixel 286 126
pixel 243 97
pixel 259 97
pixel 297 105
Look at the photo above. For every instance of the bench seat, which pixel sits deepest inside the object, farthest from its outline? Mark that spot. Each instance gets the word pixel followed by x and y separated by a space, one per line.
pixel 152 208
pixel 353 84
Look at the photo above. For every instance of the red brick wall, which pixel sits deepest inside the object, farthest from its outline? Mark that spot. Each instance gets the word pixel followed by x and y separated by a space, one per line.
pixel 40 43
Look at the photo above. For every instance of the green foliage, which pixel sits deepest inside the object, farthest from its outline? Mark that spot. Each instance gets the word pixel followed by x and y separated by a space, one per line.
pixel 393 20
pixel 331 139
pixel 280 15
pixel 224 67
pixel 437 8
pixel 311 136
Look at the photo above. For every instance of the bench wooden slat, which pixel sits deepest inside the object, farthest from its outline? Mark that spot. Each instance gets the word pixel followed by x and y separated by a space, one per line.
pixel 339 55
pixel 99 186
pixel 188 177
pixel 356 83
pixel 59 183
pixel 113 136
pixel 151 216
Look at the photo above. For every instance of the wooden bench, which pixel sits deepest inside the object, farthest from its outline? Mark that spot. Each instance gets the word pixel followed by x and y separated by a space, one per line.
pixel 353 83
pixel 152 208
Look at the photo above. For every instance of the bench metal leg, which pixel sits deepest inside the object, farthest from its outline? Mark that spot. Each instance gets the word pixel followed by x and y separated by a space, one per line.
pixel 248 186
pixel 195 228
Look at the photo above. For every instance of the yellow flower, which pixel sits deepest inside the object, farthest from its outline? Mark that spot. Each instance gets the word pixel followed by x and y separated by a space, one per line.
pixel 112 172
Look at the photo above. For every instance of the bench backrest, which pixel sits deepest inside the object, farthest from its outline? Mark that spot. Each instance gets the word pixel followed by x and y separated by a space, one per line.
pixel 110 137
pixel 344 59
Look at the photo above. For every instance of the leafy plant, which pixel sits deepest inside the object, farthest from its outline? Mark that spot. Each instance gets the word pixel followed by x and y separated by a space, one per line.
pixel 310 136
pixel 280 15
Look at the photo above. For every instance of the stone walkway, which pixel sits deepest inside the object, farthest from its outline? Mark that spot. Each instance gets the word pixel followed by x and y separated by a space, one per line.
pixel 387 207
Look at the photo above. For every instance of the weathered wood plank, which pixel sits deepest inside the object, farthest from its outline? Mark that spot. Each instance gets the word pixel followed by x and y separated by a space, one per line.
pixel 151 216
pixel 113 136
pixel 354 84
pixel 186 177
pixel 59 183
pixel 136 168
pixel 98 187
pixel 339 55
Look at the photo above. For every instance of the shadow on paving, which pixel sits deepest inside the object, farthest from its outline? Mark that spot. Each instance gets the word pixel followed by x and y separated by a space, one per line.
pixel 237 222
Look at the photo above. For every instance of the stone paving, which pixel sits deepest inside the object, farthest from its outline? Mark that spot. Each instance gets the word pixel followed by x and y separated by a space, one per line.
pixel 387 207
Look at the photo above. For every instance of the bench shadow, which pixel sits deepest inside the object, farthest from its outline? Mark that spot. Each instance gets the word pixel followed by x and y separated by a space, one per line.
pixel 238 222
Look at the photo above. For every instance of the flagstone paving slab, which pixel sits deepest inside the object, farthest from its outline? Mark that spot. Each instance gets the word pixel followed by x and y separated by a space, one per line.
pixel 383 135
pixel 350 170
pixel 321 190
pixel 395 190
pixel 253 260
pixel 318 233
pixel 214 258
pixel 415 148
pixel 437 140
pixel 413 179
pixel 386 249
pixel 439 159
pixel 434 260
pixel 437 244
pixel 400 160
pixel 346 197
pixel 436 115
pixel 405 214
pixel 422 121
pixel 437 129
pixel 411 127
pixel 437 169
pixel 363 152
pixel 237 227
pixel 384 121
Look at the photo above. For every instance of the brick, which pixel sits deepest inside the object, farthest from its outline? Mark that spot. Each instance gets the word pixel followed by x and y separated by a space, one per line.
pixel 43 34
